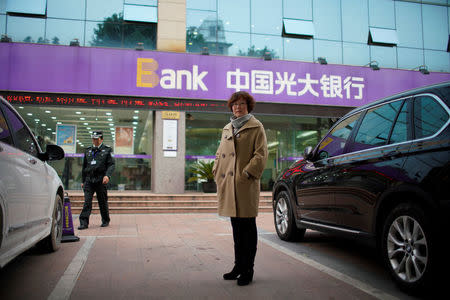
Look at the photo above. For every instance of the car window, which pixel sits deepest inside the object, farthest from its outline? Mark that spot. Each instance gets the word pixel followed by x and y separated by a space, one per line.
pixel 429 116
pixel 376 126
pixel 333 144
pixel 400 131
pixel 5 134
pixel 24 140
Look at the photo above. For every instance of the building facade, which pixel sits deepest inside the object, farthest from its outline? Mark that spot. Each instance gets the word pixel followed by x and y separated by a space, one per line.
pixel 155 75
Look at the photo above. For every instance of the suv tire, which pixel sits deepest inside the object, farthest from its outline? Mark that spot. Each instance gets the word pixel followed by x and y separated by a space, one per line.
pixel 53 241
pixel 284 219
pixel 406 245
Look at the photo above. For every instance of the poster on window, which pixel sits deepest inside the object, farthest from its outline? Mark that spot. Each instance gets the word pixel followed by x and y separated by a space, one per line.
pixel 66 137
pixel 170 135
pixel 124 140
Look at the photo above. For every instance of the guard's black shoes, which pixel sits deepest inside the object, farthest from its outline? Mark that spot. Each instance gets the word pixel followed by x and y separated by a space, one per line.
pixel 246 277
pixel 232 275
pixel 82 226
pixel 105 224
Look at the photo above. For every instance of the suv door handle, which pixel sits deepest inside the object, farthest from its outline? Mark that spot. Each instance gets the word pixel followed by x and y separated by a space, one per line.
pixel 393 153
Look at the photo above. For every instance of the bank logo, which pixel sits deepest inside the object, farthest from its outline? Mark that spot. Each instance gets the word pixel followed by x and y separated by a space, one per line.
pixel 146 72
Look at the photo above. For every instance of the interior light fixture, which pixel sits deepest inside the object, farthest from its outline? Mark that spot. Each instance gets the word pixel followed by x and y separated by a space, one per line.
pixel 322 60
pixel 422 69
pixel 5 39
pixel 205 51
pixel 267 55
pixel 75 43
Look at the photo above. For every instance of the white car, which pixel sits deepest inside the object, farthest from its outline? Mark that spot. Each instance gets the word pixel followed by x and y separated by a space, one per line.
pixel 31 193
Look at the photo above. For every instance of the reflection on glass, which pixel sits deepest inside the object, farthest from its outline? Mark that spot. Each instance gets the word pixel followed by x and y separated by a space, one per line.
pixel 355 21
pixel 382 14
pixel 265 43
pixel 235 19
pixel 385 56
pixel 332 51
pixel 297 9
pixel 435 27
pixel 240 42
pixel 266 16
pixel 355 54
pixel 140 13
pixel 400 131
pixel 298 49
pixel 409 24
pixel 74 9
pixel 429 117
pixel 201 4
pixel 62 32
pixel 437 61
pixel 327 19
pixel 2 24
pixel 29 30
pixel 409 58
pixel 99 10
pixel 36 7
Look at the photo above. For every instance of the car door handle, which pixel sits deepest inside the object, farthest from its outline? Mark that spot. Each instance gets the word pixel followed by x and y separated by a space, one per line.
pixel 393 153
pixel 32 161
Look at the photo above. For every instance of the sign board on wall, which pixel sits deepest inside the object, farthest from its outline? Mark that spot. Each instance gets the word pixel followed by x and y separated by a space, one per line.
pixel 124 140
pixel 106 71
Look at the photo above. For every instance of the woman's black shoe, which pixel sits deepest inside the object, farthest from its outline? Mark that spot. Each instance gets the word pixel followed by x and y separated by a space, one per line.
pixel 245 278
pixel 232 275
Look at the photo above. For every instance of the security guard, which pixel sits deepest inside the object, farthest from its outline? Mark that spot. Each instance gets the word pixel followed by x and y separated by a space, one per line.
pixel 98 166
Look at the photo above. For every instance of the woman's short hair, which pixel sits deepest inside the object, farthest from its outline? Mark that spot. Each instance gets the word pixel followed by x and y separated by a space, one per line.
pixel 244 96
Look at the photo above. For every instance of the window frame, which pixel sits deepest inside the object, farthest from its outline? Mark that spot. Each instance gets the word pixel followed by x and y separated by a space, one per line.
pixel 441 103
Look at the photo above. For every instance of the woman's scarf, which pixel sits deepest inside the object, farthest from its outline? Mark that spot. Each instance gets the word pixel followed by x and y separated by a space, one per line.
pixel 237 123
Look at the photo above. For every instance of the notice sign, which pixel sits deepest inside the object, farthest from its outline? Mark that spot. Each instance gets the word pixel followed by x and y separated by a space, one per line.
pixel 66 137
pixel 124 140
pixel 170 135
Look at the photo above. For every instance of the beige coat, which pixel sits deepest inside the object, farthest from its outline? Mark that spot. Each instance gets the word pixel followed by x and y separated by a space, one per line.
pixel 238 195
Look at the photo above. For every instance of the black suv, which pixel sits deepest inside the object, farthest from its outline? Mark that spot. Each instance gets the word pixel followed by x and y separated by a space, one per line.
pixel 381 173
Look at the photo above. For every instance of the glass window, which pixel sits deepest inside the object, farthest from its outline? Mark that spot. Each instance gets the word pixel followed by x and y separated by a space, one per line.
pixel 142 2
pixel 266 16
pixel 99 10
pixel 235 19
pixel 298 27
pixel 409 58
pixel 239 43
pixel 435 27
pixel 264 43
pixel 355 54
pixel 201 4
pixel 140 13
pixel 2 24
pixel 437 61
pixel 29 30
pixel 409 24
pixel 23 138
pixel 327 19
pixel 62 32
pixel 382 36
pixel 376 125
pixel 334 143
pixel 2 7
pixel 297 9
pixel 74 9
pixel 5 134
pixel 385 56
pixel 382 14
pixel 355 21
pixel 400 131
pixel 298 49
pixel 429 116
pixel 139 33
pixel 36 7
pixel 332 51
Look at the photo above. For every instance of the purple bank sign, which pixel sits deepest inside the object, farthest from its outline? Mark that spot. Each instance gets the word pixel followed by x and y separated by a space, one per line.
pixel 101 71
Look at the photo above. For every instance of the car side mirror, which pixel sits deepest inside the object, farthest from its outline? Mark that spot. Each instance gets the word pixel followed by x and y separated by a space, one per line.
pixel 53 152
pixel 308 153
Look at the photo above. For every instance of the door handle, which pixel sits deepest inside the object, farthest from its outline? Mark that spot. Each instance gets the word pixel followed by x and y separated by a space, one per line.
pixel 32 161
pixel 392 154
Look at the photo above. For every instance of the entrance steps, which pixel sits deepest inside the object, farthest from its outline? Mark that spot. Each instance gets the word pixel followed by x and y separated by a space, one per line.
pixel 138 202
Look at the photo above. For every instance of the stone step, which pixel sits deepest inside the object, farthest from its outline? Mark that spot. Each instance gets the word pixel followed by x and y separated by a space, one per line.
pixel 146 202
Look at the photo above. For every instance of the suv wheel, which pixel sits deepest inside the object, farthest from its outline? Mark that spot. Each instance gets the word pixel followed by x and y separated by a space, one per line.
pixel 406 246
pixel 284 219
pixel 53 241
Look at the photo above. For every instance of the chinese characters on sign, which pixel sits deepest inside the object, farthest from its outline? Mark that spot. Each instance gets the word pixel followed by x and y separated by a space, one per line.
pixel 264 82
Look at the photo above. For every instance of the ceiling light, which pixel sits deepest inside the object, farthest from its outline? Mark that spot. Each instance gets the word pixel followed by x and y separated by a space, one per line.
pixel 111 124
pixel 82 119
pixel 136 111
pixel 108 113
pixel 135 123
pixel 78 112
pixel 48 112
pixel 110 119
pixel 44 125
pixel 29 114
pixel 88 128
pixel 21 107
pixel 85 123
pixel 59 123
pixel 135 117
pixel 54 118
pixel 49 129
pixel 37 120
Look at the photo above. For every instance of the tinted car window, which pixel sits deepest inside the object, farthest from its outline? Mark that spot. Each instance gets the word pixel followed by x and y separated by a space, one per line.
pixel 333 144
pixel 376 125
pixel 24 139
pixel 5 135
pixel 429 116
pixel 400 131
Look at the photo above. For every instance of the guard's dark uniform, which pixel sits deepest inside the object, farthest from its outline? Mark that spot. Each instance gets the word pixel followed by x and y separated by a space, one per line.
pixel 97 163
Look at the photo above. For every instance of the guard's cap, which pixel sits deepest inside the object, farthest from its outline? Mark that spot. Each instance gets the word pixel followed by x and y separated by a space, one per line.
pixel 97 134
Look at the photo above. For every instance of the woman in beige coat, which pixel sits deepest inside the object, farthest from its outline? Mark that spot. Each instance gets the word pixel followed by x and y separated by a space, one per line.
pixel 239 164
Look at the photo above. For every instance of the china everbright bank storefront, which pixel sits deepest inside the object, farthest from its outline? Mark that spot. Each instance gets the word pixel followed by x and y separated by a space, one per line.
pixel 162 112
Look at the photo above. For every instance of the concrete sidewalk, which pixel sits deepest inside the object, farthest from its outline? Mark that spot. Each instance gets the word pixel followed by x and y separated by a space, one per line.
pixel 183 256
